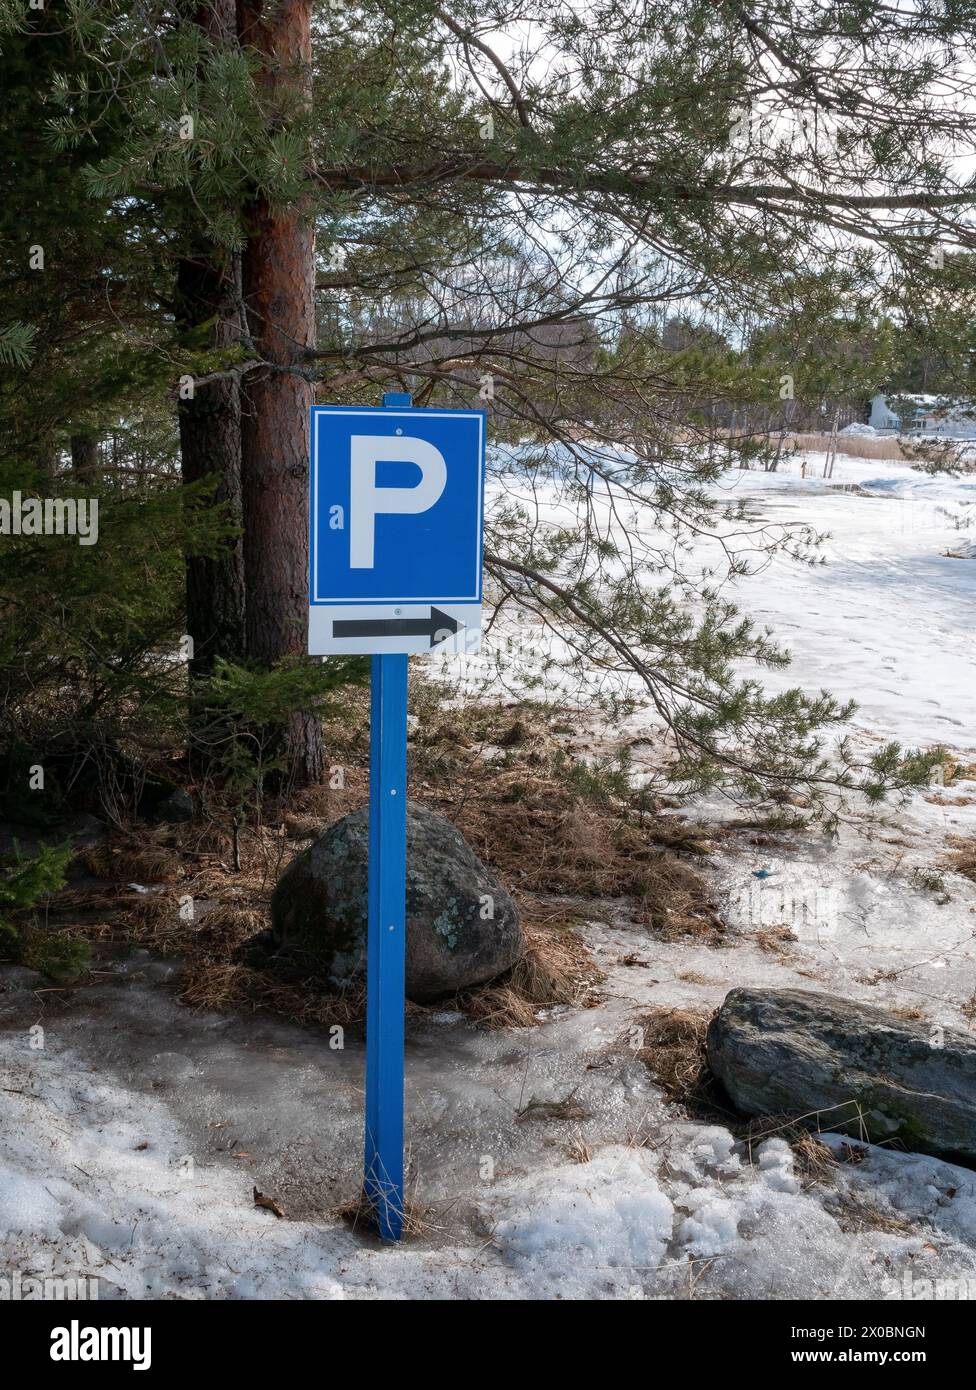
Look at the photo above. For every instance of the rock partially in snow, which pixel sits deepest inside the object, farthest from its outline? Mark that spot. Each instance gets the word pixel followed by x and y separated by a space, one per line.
pixel 863 1070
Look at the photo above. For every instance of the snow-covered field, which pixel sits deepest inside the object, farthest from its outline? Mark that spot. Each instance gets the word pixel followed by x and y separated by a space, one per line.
pixel 134 1131
pixel 888 620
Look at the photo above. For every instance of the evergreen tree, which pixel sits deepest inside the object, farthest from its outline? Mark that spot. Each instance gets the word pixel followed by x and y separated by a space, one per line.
pixel 476 176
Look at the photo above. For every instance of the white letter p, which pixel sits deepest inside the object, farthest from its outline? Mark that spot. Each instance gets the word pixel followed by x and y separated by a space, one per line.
pixel 367 501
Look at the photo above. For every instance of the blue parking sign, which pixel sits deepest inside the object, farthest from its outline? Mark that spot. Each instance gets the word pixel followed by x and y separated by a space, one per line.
pixel 396 522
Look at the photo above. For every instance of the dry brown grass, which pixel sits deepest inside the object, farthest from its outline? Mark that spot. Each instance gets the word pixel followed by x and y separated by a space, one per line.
pixel 524 815
pixel 548 840
pixel 227 927
pixel 568 1108
pixel 361 1215
pixel 224 987
pixel 813 1161
pixel 858 446
pixel 74 900
pixel 327 803
pixel 133 857
pixel 908 1014
pixel 672 1047
pixel 578 1150
pixel 556 969
pixel 962 860
pixel 157 922
pixel 300 825
pixel 774 940
pixel 955 771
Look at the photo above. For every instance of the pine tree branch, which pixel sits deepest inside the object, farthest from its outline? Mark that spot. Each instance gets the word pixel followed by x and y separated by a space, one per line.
pixel 364 178
pixel 472 40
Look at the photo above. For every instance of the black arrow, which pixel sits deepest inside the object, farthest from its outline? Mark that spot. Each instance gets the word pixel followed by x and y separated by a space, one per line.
pixel 438 627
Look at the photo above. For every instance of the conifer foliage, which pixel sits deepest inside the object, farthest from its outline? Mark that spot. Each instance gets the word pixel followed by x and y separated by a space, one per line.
pixel 647 235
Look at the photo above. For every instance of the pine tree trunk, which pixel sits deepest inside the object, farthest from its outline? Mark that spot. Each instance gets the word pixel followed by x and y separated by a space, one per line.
pixel 275 435
pixel 210 443
pixel 208 295
pixel 84 456
pixel 279 282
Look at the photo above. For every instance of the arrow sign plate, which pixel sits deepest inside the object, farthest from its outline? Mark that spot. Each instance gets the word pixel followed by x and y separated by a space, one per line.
pixel 395 544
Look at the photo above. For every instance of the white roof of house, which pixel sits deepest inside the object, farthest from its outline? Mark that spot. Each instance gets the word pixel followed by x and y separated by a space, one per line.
pixel 921 399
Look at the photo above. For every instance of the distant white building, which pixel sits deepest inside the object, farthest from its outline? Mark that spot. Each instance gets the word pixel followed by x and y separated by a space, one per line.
pixel 882 417
pixel 911 413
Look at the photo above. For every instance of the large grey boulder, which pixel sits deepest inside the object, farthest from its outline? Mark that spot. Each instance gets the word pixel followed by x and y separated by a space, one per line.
pixel 462 926
pixel 847 1066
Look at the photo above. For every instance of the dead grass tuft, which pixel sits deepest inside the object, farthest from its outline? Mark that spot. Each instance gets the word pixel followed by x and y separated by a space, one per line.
pixel 210 839
pixel 154 922
pixel 858 446
pixel 302 826
pixel 909 1014
pixel 556 969
pixel 227 927
pixel 672 1047
pixel 157 922
pixel 962 860
pixel 568 1108
pixel 327 803
pixel 583 850
pixel 579 1150
pixel 227 986
pixel 361 1215
pixel 499 1006
pixel 74 900
pixel 774 940
pixel 140 859
pixel 549 825
pixel 813 1161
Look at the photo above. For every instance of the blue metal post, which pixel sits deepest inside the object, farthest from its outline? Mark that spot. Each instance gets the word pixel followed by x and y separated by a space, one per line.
pixel 386 945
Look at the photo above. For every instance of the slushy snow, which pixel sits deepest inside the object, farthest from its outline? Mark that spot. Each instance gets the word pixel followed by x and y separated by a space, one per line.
pixel 132 1139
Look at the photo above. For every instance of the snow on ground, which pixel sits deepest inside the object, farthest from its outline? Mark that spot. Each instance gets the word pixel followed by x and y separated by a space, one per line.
pixel 134 1138
pixel 135 1131
pixel 887 620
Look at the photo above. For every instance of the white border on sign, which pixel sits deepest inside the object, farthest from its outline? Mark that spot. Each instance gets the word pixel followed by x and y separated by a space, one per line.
pixel 390 413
